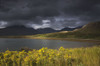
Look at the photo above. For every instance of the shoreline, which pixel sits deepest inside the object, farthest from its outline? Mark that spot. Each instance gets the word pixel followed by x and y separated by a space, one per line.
pixel 70 39
pixel 95 42
pixel 63 39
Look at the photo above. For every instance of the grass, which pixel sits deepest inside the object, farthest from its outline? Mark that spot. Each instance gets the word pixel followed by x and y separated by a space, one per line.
pixel 52 57
pixel 70 34
pixel 89 31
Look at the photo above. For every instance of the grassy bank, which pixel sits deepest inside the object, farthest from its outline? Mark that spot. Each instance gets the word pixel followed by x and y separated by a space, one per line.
pixel 70 35
pixel 52 57
pixel 40 36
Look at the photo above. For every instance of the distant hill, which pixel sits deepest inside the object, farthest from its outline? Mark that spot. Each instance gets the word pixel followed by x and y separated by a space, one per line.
pixel 89 31
pixel 17 30
pixel 46 30
pixel 70 29
pixel 20 30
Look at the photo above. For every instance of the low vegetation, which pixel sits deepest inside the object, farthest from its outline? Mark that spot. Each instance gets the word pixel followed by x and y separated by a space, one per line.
pixel 89 31
pixel 52 57
pixel 70 35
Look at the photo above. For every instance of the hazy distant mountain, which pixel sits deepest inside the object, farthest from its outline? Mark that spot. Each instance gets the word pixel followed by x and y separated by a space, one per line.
pixel 22 30
pixel 70 29
pixel 17 30
pixel 46 30
pixel 67 29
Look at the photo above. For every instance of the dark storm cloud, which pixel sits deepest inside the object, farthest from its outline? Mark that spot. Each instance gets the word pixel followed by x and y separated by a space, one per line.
pixel 27 9
pixel 59 13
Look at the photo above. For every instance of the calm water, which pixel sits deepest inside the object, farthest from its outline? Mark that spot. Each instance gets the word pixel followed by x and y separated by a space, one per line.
pixel 16 44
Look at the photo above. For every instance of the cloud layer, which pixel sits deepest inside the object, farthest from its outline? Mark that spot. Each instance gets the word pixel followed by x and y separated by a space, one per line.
pixel 59 13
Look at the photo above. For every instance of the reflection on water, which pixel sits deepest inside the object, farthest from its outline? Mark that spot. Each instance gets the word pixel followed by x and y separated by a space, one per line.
pixel 15 44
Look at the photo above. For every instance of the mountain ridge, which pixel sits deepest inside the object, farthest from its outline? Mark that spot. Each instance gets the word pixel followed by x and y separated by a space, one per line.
pixel 70 29
pixel 89 31
pixel 21 30
pixel 17 30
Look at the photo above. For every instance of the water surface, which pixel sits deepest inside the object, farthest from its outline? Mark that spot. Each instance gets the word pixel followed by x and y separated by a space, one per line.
pixel 16 44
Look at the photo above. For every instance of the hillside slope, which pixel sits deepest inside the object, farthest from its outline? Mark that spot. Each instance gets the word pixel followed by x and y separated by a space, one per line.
pixel 89 31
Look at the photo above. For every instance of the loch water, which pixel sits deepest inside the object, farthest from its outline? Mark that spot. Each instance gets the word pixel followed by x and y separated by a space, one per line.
pixel 16 44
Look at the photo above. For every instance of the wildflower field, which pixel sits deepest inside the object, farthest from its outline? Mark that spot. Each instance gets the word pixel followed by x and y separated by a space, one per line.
pixel 52 57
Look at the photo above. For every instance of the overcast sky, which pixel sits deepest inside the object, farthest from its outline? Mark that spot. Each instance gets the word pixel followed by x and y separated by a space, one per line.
pixel 56 14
